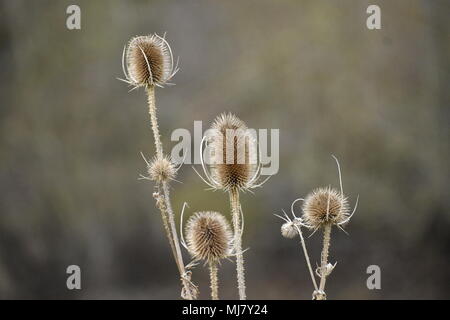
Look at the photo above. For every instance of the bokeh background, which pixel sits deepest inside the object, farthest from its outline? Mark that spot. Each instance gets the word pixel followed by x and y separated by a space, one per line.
pixel 71 134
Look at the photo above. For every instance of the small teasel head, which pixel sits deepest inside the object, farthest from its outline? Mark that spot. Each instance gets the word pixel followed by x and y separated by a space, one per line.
pixel 160 169
pixel 327 206
pixel 289 229
pixel 148 61
pixel 208 236
pixel 233 155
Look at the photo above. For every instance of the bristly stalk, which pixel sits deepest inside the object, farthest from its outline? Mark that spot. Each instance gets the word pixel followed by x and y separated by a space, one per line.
pixel 236 215
pixel 324 258
pixel 154 120
pixel 164 204
pixel 214 281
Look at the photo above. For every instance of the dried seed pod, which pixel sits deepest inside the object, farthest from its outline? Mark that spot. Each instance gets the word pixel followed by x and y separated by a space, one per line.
pixel 161 169
pixel 289 229
pixel 323 206
pixel 234 153
pixel 148 61
pixel 208 236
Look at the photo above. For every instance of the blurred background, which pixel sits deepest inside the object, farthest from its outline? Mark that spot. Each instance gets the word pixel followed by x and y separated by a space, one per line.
pixel 71 134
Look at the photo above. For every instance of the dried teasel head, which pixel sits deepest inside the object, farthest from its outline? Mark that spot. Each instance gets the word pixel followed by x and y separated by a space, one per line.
pixel 327 206
pixel 208 236
pixel 148 61
pixel 161 169
pixel 233 154
pixel 323 206
pixel 289 229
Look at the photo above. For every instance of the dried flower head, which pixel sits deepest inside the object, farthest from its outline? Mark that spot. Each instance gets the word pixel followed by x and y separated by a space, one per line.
pixel 161 169
pixel 208 236
pixel 233 154
pixel 289 228
pixel 148 61
pixel 325 205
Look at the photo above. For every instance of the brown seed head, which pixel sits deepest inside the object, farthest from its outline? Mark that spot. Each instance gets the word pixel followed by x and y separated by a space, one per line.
pixel 208 236
pixel 234 153
pixel 149 61
pixel 325 205
pixel 161 169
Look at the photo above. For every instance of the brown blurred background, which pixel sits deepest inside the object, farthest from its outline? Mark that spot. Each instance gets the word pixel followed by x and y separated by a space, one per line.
pixel 71 135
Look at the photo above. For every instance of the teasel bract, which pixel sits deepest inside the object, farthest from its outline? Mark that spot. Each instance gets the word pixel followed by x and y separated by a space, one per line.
pixel 147 61
pixel 322 208
pixel 208 238
pixel 234 166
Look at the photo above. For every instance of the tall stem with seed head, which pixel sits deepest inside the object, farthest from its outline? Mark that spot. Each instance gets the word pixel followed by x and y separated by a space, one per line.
pixel 214 280
pixel 236 215
pixel 166 206
pixel 324 256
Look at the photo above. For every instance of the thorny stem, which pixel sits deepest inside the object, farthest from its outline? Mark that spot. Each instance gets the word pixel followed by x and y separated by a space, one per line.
pixel 165 206
pixel 161 205
pixel 154 120
pixel 305 251
pixel 235 210
pixel 324 256
pixel 214 282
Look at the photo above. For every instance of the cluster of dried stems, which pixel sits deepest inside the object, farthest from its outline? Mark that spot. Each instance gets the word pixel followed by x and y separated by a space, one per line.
pixel 148 62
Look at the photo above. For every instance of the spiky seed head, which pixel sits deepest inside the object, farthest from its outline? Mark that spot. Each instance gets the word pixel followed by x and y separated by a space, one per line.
pixel 289 229
pixel 233 153
pixel 149 61
pixel 161 169
pixel 208 236
pixel 325 205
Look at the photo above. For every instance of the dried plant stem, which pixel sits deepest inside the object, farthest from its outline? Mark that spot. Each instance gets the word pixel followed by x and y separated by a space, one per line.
pixel 235 210
pixel 213 270
pixel 308 262
pixel 161 205
pixel 324 256
pixel 164 204
pixel 154 120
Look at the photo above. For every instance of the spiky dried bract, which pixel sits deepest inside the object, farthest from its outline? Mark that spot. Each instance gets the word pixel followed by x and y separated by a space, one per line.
pixel 323 206
pixel 149 61
pixel 234 153
pixel 161 169
pixel 208 236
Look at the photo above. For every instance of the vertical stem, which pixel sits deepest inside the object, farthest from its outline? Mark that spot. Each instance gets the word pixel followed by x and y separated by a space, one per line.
pixel 154 120
pixel 214 282
pixel 324 256
pixel 235 210
pixel 305 251
pixel 168 216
